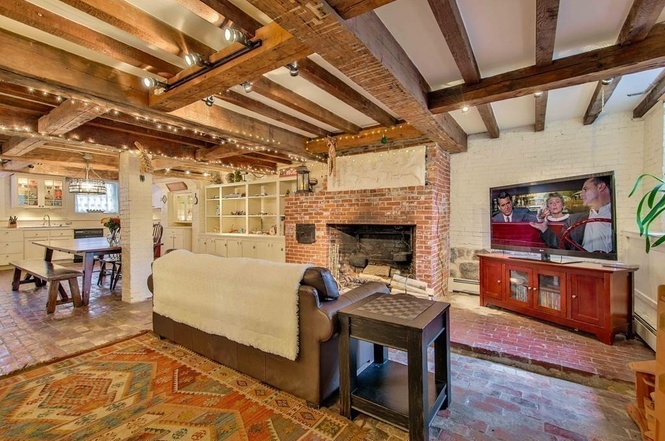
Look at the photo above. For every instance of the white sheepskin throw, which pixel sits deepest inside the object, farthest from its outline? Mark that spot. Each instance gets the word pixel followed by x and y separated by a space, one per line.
pixel 250 301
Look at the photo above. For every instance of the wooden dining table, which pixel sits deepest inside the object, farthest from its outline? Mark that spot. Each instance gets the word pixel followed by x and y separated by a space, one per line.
pixel 88 247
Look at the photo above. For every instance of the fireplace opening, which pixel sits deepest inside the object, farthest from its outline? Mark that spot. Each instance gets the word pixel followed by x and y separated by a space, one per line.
pixel 359 253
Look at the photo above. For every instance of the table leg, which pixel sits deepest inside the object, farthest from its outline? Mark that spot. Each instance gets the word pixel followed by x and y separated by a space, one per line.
pixel 442 358
pixel 347 366
pixel 417 384
pixel 88 262
pixel 48 254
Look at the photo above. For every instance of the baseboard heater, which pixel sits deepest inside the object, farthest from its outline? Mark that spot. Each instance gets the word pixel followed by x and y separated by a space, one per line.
pixel 644 329
pixel 467 286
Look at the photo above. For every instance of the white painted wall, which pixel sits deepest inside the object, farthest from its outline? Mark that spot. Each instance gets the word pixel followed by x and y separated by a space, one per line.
pixel 566 148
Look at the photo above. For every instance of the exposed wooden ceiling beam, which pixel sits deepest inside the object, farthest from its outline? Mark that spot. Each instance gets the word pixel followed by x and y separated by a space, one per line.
pixel 278 48
pixel 365 51
pixel 652 97
pixel 371 138
pixel 641 19
pixel 62 170
pixel 71 159
pixel 144 26
pixel 323 79
pixel 547 15
pixel 46 21
pixel 564 72
pixel 216 153
pixel 352 8
pixel 247 103
pixel 287 97
pixel 450 22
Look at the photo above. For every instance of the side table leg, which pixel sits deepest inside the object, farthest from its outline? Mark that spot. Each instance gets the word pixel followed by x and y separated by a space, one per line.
pixel 418 399
pixel 348 354
pixel 442 358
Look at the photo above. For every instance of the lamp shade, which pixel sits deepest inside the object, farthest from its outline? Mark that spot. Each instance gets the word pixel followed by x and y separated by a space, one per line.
pixel 302 180
pixel 86 186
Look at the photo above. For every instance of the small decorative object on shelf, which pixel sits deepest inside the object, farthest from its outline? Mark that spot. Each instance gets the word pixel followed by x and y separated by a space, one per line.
pixel 13 220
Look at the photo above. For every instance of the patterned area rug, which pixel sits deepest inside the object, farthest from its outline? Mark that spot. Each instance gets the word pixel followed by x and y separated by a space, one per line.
pixel 150 389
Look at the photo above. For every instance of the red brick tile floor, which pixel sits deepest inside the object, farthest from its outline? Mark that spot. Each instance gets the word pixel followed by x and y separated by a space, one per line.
pixel 513 378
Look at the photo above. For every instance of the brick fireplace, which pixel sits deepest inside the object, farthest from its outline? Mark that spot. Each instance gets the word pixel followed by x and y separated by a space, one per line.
pixel 426 208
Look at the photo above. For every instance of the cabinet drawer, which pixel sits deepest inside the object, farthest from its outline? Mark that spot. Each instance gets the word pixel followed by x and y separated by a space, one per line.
pixel 11 247
pixel 5 258
pixel 61 234
pixel 11 236
pixel 31 234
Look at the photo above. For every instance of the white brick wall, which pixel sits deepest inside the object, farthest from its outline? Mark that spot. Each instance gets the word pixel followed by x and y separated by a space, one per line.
pixel 136 217
pixel 653 151
pixel 566 148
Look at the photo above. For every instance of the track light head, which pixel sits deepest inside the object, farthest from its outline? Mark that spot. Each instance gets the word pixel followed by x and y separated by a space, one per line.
pixel 195 59
pixel 233 35
pixel 151 83
pixel 247 86
pixel 210 100
pixel 606 81
pixel 293 68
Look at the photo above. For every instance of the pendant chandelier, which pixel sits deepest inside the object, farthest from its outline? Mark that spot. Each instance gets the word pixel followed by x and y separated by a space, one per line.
pixel 87 185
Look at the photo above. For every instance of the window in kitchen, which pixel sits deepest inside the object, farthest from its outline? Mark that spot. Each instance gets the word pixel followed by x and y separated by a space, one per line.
pixel 98 203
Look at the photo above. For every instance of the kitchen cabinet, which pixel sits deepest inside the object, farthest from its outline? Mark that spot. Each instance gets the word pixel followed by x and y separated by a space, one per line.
pixel 11 246
pixel 585 296
pixel 258 247
pixel 36 192
pixel 252 208
pixel 32 251
pixel 179 238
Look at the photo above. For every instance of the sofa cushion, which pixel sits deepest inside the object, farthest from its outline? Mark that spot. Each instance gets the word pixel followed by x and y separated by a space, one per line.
pixel 324 282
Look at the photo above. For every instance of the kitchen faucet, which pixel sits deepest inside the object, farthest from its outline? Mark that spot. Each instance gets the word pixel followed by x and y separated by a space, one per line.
pixel 45 219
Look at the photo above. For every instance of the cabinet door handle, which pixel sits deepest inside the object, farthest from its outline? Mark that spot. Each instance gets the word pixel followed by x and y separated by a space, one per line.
pixel 574 296
pixel 498 281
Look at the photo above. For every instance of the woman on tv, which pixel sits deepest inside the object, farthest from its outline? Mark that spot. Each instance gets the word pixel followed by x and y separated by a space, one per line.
pixel 554 209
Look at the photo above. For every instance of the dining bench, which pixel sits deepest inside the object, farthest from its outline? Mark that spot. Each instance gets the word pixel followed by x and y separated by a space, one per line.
pixel 39 271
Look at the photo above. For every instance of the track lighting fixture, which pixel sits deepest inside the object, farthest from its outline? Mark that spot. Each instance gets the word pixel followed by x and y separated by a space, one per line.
pixel 151 83
pixel 538 94
pixel 233 35
pixel 195 59
pixel 606 81
pixel 247 86
pixel 293 68
pixel 465 109
pixel 209 100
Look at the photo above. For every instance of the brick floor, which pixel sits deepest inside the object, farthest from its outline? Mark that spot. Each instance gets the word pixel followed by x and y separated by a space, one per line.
pixel 498 390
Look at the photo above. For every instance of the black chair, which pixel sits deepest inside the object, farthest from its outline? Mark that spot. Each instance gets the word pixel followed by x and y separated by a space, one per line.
pixel 115 263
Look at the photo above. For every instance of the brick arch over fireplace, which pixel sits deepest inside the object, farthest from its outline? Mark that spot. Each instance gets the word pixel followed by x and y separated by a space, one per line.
pixel 427 207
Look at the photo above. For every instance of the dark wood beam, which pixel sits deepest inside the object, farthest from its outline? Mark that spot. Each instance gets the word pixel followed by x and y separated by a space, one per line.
pixel 371 137
pixel 547 14
pixel 278 48
pixel 277 92
pixel 652 97
pixel 134 21
pixel 323 79
pixel 601 95
pixel 365 51
pixel 449 19
pixel 244 101
pixel 352 8
pixel 46 21
pixel 540 109
pixel 564 72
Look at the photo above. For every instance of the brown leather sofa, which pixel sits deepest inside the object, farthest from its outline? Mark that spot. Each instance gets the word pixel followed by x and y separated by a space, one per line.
pixel 314 374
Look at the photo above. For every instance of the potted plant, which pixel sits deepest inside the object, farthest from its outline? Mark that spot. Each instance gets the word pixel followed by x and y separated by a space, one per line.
pixel 13 220
pixel 650 208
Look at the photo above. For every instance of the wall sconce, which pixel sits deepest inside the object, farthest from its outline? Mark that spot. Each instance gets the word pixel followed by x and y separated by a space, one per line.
pixel 235 36
pixel 247 86
pixel 302 180
pixel 195 59
pixel 293 68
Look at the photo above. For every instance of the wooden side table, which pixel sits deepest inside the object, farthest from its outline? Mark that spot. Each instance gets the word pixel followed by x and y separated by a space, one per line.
pixel 406 396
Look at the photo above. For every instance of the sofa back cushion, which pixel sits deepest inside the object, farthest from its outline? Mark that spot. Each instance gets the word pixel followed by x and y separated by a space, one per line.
pixel 324 282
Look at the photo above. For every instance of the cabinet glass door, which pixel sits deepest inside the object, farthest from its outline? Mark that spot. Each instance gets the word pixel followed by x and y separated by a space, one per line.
pixel 549 292
pixel 28 192
pixel 52 193
pixel 519 285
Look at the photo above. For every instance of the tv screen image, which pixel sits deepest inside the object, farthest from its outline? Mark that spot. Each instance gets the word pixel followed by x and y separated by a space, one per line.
pixel 572 216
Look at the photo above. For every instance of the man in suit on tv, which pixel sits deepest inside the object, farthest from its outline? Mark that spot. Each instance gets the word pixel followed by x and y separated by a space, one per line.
pixel 592 236
pixel 508 213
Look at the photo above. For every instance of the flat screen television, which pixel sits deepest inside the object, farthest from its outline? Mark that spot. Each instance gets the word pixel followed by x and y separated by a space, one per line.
pixel 572 216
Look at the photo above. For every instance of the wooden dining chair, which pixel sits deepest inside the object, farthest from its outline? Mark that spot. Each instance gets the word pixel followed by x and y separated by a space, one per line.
pixel 112 262
pixel 157 231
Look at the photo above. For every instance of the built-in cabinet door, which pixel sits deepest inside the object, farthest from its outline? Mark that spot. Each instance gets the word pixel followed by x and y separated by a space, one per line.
pixel 34 192
pixel 587 299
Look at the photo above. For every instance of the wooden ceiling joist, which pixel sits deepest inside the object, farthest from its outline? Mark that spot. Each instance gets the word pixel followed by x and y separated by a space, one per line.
pixel 352 8
pixel 240 19
pixel 652 97
pixel 564 72
pixel 278 48
pixel 363 50
pixel 547 15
